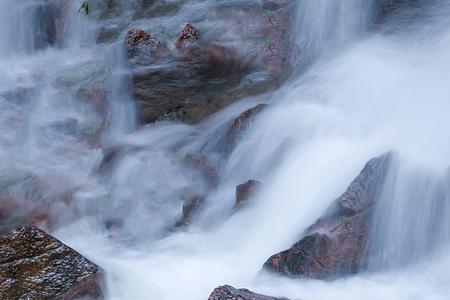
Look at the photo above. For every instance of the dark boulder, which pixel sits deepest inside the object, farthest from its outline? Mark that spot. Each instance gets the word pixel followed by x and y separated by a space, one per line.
pixel 188 36
pixel 336 244
pixel 194 84
pixel 35 265
pixel 241 124
pixel 244 192
pixel 227 292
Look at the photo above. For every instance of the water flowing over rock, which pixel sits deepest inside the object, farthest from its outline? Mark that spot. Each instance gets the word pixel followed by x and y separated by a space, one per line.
pixel 227 292
pixel 241 124
pixel 190 208
pixel 244 192
pixel 335 245
pixel 139 41
pixel 35 265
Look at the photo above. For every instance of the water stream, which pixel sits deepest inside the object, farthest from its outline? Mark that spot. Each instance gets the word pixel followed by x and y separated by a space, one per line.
pixel 368 89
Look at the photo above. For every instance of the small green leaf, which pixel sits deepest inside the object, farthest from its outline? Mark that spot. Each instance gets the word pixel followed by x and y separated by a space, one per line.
pixel 84 7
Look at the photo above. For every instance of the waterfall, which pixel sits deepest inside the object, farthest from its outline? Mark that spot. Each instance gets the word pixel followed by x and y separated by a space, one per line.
pixel 370 87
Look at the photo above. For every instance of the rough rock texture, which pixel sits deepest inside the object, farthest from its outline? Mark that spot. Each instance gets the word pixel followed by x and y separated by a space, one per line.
pixel 140 42
pixel 278 54
pixel 227 292
pixel 244 192
pixel 35 265
pixel 241 124
pixel 335 245
pixel 188 36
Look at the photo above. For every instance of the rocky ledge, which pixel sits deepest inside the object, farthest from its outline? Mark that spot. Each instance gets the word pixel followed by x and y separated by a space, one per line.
pixel 34 265
pixel 335 245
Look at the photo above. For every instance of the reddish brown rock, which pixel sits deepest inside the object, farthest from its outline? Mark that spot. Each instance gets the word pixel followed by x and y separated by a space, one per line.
pixel 335 245
pixel 244 192
pixel 227 292
pixel 241 124
pixel 188 36
pixel 139 41
pixel 278 54
pixel 361 193
pixel 35 265
pixel 190 208
pixel 335 248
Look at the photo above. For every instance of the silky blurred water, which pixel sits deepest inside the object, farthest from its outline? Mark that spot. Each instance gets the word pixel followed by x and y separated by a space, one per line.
pixel 368 89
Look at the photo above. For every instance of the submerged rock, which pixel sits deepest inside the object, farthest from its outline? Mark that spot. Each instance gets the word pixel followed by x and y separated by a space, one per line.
pixel 241 124
pixel 35 265
pixel 244 192
pixel 335 245
pixel 37 199
pixel 227 292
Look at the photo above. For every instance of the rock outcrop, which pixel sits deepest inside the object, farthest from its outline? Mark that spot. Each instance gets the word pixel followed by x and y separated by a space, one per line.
pixel 190 208
pixel 244 192
pixel 335 245
pixel 188 36
pixel 227 292
pixel 241 124
pixel 34 265
pixel 278 54
pixel 140 42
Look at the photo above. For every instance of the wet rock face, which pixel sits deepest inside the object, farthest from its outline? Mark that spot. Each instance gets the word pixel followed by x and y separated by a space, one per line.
pixel 278 54
pixel 190 208
pixel 188 36
pixel 35 265
pixel 244 192
pixel 361 193
pixel 46 17
pixel 240 124
pixel 227 292
pixel 335 245
pixel 140 42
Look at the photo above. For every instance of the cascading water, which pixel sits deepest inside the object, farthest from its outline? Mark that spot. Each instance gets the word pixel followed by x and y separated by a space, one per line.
pixel 383 91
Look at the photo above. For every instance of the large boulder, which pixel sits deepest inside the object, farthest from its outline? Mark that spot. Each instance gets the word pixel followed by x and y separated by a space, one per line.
pixel 227 292
pixel 35 265
pixel 335 245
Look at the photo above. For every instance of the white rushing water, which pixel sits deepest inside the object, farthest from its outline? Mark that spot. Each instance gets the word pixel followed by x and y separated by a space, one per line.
pixel 369 91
